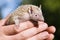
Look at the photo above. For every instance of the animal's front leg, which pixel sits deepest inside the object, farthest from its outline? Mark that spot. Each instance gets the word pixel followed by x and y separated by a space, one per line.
pixel 16 20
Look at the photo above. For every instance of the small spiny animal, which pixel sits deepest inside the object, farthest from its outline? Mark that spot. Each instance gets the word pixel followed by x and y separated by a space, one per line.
pixel 24 13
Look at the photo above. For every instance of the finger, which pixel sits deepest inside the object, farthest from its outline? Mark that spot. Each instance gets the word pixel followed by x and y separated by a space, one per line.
pixel 28 24
pixel 51 29
pixel 23 26
pixel 8 29
pixel 30 32
pixel 3 21
pixel 42 26
pixel 40 36
pixel 50 37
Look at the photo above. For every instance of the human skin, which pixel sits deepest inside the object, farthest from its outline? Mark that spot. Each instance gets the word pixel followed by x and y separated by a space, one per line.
pixel 26 31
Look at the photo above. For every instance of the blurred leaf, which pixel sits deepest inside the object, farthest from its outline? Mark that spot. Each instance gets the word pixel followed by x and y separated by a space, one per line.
pixel 52 5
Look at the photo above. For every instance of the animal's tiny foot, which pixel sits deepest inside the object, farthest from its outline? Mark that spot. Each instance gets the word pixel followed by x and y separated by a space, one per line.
pixel 17 28
pixel 35 23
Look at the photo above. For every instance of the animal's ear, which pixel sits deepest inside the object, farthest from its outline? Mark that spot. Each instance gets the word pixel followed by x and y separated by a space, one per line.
pixel 30 9
pixel 40 6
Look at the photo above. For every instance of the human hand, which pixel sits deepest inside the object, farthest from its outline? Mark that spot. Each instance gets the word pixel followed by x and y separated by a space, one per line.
pixel 26 31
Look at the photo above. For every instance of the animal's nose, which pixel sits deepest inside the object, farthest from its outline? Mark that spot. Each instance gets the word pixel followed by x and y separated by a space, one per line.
pixel 41 19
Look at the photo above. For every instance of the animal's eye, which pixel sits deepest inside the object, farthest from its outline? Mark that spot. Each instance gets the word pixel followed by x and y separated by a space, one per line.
pixel 35 15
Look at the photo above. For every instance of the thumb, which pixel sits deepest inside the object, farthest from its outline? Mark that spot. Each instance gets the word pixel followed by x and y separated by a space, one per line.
pixel 3 21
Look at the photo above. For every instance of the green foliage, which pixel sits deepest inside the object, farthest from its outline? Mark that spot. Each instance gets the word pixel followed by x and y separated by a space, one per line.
pixel 52 5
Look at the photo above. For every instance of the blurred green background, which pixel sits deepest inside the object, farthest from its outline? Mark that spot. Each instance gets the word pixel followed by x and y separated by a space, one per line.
pixel 51 12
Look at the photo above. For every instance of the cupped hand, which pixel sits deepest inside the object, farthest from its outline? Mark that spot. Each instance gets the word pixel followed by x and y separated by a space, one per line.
pixel 26 31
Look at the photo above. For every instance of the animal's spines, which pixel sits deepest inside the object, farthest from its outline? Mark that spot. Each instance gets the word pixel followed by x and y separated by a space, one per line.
pixel 23 8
